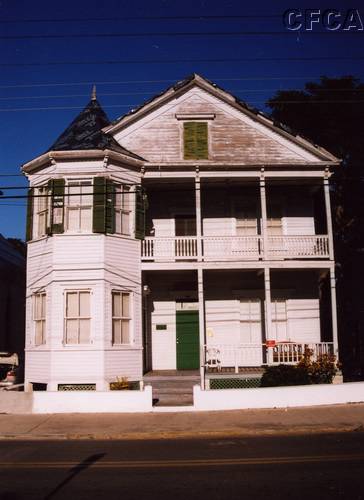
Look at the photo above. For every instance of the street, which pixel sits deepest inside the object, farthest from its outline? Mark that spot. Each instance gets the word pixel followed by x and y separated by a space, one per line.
pixel 325 466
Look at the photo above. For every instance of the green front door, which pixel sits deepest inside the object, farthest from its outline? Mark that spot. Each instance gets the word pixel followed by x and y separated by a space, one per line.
pixel 187 333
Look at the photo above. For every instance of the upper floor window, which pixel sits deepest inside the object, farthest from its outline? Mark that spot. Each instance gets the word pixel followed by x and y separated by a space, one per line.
pixel 77 317
pixel 41 204
pixel 195 140
pixel 122 209
pixel 39 317
pixel 79 206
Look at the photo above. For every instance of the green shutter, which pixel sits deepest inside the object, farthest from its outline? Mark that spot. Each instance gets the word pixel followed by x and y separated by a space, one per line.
pixel 140 206
pixel 29 227
pixel 57 206
pixel 195 141
pixel 109 207
pixel 99 208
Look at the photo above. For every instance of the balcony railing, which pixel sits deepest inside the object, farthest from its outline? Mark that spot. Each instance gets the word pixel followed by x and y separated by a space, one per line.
pixel 219 357
pixel 224 248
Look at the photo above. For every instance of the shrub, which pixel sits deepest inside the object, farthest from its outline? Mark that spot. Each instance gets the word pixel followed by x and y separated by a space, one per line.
pixel 121 384
pixel 321 371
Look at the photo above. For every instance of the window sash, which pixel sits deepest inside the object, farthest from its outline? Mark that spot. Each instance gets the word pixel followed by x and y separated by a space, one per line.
pixel 122 210
pixel 121 318
pixel 77 317
pixel 79 206
pixel 41 211
pixel 39 317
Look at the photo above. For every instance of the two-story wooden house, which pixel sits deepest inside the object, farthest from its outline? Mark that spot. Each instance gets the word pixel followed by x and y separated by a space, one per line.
pixel 192 233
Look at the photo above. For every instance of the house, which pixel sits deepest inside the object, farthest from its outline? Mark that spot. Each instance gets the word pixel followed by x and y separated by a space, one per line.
pixel 191 233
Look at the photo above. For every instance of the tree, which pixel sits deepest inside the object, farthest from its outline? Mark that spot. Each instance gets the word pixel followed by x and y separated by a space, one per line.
pixel 331 113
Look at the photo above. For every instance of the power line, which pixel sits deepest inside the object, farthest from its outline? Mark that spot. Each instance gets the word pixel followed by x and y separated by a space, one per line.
pixel 140 18
pixel 58 108
pixel 250 78
pixel 108 94
pixel 172 34
pixel 173 61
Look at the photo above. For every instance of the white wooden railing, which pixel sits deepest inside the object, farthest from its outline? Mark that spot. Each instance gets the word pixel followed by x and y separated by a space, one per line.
pixel 298 247
pixel 235 247
pixel 169 248
pixel 292 352
pixel 220 356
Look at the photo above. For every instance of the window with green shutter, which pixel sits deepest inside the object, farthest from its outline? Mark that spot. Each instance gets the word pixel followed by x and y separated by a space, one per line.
pixel 195 141
pixel 56 187
pixel 103 205
pixel 140 207
pixel 29 229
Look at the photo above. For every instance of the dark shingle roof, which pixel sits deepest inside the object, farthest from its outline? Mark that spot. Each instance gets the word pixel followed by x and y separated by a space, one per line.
pixel 85 133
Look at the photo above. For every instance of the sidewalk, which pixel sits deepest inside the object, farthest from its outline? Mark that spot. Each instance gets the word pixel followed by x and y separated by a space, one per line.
pixel 339 418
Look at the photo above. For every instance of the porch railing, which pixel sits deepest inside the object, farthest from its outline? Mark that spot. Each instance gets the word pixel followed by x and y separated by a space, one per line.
pixel 236 356
pixel 291 247
pixel 235 247
pixel 291 352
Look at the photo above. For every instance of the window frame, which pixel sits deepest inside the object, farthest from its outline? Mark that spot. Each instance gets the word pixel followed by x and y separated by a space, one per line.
pixel 41 207
pixel 42 320
pixel 122 209
pixel 122 319
pixel 78 207
pixel 79 318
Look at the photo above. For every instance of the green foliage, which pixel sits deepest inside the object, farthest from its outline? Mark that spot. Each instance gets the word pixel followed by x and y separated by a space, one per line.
pixel 320 371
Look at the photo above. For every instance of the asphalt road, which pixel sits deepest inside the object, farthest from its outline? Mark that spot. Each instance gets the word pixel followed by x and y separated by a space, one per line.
pixel 327 466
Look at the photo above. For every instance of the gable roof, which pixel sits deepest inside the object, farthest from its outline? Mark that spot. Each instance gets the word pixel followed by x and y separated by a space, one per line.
pixel 184 85
pixel 85 133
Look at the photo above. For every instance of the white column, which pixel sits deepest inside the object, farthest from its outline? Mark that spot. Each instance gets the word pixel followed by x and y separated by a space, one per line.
pixel 198 215
pixel 328 216
pixel 263 208
pixel 334 312
pixel 268 307
pixel 201 318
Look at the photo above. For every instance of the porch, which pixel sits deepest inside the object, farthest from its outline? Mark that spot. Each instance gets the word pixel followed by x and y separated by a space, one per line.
pixel 229 323
pixel 225 248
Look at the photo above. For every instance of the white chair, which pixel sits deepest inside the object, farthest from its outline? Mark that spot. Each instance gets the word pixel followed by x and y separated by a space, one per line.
pixel 213 358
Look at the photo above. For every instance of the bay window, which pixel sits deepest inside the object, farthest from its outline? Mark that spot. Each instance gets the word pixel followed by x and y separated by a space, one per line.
pixel 77 317
pixel 79 206
pixel 120 317
pixel 39 318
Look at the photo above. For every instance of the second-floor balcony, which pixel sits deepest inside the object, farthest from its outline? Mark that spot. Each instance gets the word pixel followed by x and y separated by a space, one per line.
pixel 225 248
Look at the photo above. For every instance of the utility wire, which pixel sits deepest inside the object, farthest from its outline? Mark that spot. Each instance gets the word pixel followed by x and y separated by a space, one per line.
pixel 176 80
pixel 172 34
pixel 54 108
pixel 173 61
pixel 140 18
pixel 108 94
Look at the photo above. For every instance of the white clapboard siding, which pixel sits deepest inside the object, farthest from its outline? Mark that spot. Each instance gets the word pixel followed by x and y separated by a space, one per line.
pixel 123 363
pixel 123 254
pixel 219 226
pixel 163 227
pixel 164 341
pixel 39 259
pixel 70 249
pixel 222 321
pixel 298 226
pixel 37 366
pixel 303 320
pixel 158 135
pixel 76 365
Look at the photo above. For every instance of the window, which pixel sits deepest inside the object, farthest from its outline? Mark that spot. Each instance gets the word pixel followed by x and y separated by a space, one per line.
pixel 274 221
pixel 77 317
pixel 195 141
pixel 246 218
pixel 39 318
pixel 41 211
pixel 120 318
pixel 122 210
pixel 79 206
pixel 185 225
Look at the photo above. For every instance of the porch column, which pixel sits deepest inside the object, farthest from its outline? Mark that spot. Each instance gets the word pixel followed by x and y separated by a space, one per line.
pixel 268 301
pixel 201 319
pixel 198 215
pixel 334 312
pixel 263 209
pixel 328 215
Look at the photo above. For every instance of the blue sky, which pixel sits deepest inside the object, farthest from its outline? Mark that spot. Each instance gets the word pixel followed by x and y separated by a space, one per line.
pixel 33 73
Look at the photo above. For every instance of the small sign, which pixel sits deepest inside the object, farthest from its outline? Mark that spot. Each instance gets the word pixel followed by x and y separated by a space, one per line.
pixel 270 343
pixel 161 327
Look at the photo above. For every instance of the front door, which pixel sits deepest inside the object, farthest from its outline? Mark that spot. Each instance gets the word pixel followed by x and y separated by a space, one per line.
pixel 187 337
